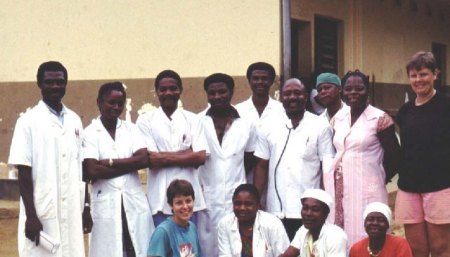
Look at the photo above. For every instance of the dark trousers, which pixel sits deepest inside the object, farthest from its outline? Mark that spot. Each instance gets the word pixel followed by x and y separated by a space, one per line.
pixel 291 226
pixel 127 244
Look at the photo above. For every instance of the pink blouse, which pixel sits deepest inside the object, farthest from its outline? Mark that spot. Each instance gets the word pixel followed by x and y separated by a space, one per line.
pixel 359 156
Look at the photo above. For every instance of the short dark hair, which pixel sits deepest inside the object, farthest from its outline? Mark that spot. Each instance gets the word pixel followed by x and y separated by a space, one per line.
pixel 179 187
pixel 168 74
pixel 111 86
pixel 261 66
pixel 50 66
pixel 421 60
pixel 219 78
pixel 356 73
pixel 250 188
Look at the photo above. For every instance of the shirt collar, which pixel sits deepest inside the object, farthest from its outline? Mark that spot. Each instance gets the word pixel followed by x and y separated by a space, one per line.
pixel 59 115
pixel 234 112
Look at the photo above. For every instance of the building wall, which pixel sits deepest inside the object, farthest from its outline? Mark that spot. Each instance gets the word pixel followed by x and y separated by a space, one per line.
pixel 391 34
pixel 136 39
pixel 130 41
pixel 379 37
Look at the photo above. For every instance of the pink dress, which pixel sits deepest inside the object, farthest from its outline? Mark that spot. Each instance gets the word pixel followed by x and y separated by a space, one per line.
pixel 358 177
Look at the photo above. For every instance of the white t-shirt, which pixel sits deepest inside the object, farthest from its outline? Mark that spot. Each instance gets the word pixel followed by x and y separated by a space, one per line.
pixel 332 242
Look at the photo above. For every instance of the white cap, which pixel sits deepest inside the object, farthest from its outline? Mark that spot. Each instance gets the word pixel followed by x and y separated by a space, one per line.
pixel 378 207
pixel 318 194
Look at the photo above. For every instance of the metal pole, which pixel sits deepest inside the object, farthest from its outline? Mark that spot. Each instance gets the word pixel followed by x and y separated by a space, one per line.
pixel 286 39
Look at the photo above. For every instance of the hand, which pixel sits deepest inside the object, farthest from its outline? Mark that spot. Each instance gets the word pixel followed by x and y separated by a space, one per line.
pixel 32 228
pixel 87 220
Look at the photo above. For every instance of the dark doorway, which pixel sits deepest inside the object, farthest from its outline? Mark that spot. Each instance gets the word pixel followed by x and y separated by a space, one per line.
pixel 439 51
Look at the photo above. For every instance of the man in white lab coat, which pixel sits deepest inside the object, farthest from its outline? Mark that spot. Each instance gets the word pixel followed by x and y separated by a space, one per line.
pixel 231 139
pixel 260 107
pixel 291 151
pixel 176 144
pixel 46 148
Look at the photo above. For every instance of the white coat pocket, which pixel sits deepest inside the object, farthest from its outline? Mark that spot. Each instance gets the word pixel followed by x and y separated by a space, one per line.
pixel 101 208
pixel 309 151
pixel 44 202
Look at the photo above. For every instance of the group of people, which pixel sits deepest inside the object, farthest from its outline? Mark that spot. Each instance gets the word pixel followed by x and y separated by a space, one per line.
pixel 262 178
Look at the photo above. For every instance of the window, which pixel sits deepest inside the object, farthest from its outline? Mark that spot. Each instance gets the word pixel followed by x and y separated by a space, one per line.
pixel 326 45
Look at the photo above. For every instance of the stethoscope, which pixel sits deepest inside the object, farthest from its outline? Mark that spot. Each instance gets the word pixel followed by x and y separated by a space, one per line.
pixel 276 167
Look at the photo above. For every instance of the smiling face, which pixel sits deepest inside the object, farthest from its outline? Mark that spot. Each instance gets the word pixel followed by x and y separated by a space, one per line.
pixel 219 95
pixel 294 97
pixel 422 81
pixel 376 224
pixel 355 92
pixel 168 92
pixel 182 207
pixel 111 105
pixel 314 213
pixel 260 82
pixel 53 87
pixel 245 207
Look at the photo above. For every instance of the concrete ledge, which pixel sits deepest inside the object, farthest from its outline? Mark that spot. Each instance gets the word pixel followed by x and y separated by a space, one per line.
pixel 9 189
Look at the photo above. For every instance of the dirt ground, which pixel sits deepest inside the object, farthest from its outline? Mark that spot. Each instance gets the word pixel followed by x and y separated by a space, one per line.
pixel 9 211
pixel 9 218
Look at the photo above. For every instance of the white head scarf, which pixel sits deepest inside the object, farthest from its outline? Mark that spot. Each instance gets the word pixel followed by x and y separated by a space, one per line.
pixel 378 207
pixel 318 194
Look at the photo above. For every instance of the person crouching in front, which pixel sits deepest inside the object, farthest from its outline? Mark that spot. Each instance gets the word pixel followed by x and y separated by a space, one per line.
pixel 317 238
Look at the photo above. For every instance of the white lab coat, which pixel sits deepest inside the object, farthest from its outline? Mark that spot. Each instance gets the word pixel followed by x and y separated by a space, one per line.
pixel 269 236
pixel 162 134
pixel 325 115
pixel 222 172
pixel 53 151
pixel 308 149
pixel 107 194
pixel 247 111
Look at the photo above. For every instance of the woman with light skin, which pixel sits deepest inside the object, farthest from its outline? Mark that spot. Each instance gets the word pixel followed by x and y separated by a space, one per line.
pixel 248 231
pixel 423 198
pixel 367 156
pixel 377 220
pixel 177 235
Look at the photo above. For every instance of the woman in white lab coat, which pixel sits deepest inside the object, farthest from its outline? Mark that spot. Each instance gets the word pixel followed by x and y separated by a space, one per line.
pixel 113 152
pixel 249 232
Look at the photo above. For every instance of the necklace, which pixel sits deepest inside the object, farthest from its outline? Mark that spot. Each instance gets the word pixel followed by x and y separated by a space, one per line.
pixel 371 253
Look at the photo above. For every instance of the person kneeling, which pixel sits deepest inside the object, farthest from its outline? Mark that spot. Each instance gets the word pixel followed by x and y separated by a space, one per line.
pixel 248 231
pixel 177 235
pixel 377 219
pixel 317 238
